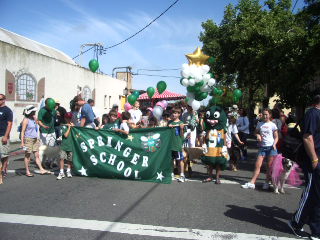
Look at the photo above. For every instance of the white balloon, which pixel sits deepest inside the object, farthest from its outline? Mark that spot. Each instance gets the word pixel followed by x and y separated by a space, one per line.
pixel 185 82
pixel 205 69
pixel 198 77
pixel 195 105
pixel 190 102
pixel 192 82
pixel 211 82
pixel 205 88
pixel 157 112
pixel 206 76
pixel 185 73
pixel 185 66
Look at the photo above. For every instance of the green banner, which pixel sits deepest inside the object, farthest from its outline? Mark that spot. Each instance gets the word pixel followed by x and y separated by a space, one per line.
pixel 144 154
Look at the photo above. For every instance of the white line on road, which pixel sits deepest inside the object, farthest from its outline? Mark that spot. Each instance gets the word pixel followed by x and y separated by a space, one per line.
pixel 129 228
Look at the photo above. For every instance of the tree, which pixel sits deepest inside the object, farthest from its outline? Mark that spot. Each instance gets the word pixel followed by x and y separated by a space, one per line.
pixel 266 49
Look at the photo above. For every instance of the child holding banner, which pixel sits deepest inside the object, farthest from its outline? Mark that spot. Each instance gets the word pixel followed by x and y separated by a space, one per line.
pixel 177 142
pixel 66 147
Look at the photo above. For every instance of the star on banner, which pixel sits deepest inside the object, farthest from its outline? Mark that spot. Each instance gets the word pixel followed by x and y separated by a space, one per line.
pixel 197 57
pixel 130 137
pixel 160 176
pixel 83 171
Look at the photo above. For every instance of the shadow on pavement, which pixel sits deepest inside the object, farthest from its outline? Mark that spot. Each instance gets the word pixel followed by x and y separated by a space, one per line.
pixel 264 216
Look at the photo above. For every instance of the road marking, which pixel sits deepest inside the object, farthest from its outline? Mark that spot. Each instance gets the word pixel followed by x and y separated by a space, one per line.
pixel 129 228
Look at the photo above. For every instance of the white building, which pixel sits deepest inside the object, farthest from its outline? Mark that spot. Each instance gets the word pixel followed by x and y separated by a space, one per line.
pixel 30 70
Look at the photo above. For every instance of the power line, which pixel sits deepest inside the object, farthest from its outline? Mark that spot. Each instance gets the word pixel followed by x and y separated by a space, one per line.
pixel 151 75
pixel 136 32
pixel 158 70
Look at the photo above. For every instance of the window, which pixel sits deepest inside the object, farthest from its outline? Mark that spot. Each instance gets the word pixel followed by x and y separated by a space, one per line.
pixel 26 88
pixel 86 92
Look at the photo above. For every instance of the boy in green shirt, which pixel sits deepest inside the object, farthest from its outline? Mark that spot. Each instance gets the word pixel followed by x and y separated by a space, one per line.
pixel 114 121
pixel 177 142
pixel 66 147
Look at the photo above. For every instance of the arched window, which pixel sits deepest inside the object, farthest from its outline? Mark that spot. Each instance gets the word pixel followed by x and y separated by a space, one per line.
pixel 26 88
pixel 87 94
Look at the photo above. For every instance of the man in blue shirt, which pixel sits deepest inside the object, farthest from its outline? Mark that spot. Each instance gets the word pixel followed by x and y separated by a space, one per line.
pixel 309 206
pixel 87 116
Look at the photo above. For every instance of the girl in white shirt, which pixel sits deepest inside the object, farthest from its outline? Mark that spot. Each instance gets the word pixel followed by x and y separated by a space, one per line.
pixel 267 136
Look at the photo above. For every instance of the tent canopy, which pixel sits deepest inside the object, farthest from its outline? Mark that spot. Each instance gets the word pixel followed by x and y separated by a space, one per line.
pixel 166 95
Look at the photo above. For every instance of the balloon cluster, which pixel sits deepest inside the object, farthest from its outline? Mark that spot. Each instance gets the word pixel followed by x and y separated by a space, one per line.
pixel 198 81
pixel 159 108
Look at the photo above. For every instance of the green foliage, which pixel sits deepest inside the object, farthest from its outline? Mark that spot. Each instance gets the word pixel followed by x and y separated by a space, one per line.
pixel 265 47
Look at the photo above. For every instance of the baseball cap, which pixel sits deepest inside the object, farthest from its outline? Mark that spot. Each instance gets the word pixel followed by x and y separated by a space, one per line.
pixel 29 109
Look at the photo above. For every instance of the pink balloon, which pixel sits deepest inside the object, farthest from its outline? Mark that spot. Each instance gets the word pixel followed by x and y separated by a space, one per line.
pixel 160 104
pixel 165 103
pixel 127 106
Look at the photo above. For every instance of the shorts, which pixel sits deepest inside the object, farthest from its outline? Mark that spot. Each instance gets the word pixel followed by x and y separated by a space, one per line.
pixel 4 149
pixel 66 155
pixel 267 151
pixel 177 155
pixel 48 139
pixel 31 145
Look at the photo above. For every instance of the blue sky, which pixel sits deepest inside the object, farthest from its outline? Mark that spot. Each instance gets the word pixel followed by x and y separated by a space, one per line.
pixel 67 24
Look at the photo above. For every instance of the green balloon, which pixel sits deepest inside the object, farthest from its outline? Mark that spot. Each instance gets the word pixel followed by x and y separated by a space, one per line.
pixel 190 88
pixel 211 60
pixel 237 93
pixel 150 92
pixel 93 65
pixel 197 97
pixel 216 91
pixel 212 75
pixel 204 95
pixel 136 93
pixel 197 89
pixel 220 92
pixel 51 104
pixel 161 86
pixel 132 99
pixel 200 84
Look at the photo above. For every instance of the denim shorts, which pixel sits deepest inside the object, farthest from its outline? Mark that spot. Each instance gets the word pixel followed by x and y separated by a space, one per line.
pixel 267 151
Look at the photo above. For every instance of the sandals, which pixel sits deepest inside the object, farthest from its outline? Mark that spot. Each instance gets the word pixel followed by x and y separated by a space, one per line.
pixel 46 173
pixel 207 180
pixel 30 175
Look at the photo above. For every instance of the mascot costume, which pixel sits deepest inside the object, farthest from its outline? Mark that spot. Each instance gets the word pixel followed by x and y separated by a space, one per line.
pixel 215 150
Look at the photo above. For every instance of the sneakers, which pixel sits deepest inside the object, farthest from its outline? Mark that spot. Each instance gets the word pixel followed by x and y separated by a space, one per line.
pixel 265 186
pixel 313 237
pixel 182 179
pixel 299 232
pixel 69 175
pixel 248 185
pixel 60 176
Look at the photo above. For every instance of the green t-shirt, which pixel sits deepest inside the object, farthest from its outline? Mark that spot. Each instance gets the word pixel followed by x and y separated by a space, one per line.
pixel 177 140
pixel 47 117
pixel 66 144
pixel 114 125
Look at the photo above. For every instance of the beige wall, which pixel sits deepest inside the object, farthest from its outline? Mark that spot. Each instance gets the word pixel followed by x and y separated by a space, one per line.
pixel 62 80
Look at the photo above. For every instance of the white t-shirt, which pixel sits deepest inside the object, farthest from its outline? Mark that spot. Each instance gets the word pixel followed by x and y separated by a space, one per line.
pixel 266 129
pixel 124 126
pixel 232 129
pixel 135 115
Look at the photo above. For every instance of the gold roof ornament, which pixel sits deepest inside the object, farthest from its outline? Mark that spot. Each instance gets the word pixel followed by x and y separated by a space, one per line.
pixel 197 57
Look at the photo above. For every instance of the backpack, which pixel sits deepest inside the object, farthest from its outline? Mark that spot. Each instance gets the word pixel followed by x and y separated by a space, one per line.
pixel 292 144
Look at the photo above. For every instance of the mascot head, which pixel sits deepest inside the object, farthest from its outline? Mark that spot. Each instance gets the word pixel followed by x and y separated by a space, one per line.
pixel 215 118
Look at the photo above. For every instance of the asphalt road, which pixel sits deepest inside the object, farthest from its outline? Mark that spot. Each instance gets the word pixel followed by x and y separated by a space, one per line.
pixel 191 205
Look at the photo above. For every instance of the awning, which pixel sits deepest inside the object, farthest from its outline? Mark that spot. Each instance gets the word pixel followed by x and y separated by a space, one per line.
pixel 166 95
